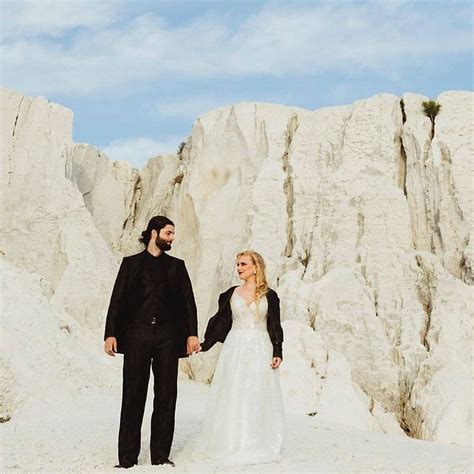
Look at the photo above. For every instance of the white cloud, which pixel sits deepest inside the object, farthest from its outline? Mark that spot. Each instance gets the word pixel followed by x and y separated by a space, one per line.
pixel 300 39
pixel 138 150
pixel 28 18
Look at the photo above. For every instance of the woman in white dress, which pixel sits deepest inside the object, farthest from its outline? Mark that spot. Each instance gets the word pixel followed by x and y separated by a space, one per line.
pixel 244 421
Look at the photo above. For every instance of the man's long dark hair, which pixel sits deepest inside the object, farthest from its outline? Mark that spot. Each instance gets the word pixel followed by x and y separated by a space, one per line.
pixel 157 223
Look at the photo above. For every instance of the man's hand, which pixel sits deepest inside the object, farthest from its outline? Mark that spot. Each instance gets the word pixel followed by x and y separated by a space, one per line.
pixel 110 346
pixel 276 361
pixel 192 345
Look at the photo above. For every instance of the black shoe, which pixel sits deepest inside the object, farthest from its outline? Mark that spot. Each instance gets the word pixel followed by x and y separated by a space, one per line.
pixel 164 462
pixel 124 465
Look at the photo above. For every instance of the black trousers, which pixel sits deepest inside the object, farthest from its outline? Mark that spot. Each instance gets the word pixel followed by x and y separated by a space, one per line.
pixel 148 345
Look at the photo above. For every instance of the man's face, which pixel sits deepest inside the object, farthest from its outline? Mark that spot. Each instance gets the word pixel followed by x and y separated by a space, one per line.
pixel 165 238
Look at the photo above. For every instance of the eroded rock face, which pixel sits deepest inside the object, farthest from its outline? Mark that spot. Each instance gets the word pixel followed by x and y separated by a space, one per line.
pixel 332 201
pixel 107 187
pixel 45 226
pixel 120 198
pixel 440 402
pixel 55 264
pixel 439 177
pixel 363 219
pixel 154 194
pixel 46 352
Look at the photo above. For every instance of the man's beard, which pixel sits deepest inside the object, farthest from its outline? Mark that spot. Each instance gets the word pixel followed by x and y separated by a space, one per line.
pixel 162 245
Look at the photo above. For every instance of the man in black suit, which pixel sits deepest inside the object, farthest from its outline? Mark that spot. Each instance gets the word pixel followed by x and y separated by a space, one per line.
pixel 152 320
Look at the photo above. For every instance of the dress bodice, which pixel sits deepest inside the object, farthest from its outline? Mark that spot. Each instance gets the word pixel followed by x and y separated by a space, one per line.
pixel 252 316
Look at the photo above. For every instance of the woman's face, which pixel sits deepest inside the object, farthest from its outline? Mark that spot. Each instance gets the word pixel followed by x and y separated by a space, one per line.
pixel 245 267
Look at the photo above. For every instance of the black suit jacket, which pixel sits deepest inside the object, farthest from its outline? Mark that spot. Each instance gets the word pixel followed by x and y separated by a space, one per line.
pixel 220 324
pixel 127 296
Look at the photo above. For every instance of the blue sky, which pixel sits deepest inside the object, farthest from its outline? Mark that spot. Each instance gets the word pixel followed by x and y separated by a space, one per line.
pixel 138 73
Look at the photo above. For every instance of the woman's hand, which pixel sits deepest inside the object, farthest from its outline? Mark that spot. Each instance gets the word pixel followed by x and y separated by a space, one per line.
pixel 110 346
pixel 276 361
pixel 192 345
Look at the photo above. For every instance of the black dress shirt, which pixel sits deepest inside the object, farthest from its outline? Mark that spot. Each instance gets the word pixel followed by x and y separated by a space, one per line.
pixel 155 307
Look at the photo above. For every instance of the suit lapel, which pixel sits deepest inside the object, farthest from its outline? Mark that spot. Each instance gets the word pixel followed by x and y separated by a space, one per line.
pixel 170 267
pixel 136 264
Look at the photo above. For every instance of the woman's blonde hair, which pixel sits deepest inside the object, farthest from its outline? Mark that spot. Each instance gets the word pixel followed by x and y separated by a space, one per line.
pixel 261 285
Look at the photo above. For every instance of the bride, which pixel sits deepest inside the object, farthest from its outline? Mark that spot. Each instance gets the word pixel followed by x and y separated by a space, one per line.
pixel 245 421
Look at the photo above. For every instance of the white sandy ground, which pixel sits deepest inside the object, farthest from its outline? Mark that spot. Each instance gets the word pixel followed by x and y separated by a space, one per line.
pixel 79 434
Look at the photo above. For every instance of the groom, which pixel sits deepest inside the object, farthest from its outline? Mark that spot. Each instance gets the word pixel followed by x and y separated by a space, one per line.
pixel 152 320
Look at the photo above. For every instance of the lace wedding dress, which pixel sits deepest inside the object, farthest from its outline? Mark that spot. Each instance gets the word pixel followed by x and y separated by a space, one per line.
pixel 244 421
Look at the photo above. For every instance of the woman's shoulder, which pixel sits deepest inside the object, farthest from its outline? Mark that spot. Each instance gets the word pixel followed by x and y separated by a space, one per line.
pixel 226 294
pixel 272 294
pixel 229 290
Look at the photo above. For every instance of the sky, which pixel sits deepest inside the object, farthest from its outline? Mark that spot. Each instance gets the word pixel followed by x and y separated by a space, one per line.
pixel 137 74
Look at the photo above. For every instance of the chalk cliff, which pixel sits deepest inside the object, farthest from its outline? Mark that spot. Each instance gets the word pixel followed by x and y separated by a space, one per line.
pixel 363 216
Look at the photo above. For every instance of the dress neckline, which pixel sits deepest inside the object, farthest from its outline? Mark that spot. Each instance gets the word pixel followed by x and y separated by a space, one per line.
pixel 243 299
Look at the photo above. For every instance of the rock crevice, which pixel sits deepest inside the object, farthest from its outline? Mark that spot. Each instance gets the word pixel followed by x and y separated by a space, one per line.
pixel 288 185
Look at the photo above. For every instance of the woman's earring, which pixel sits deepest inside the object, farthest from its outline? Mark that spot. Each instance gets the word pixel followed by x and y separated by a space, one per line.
pixel 255 272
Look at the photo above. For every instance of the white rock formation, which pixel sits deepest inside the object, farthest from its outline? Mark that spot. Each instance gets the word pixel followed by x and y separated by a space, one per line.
pixel 363 218
pixel 327 197
pixel 113 191
pixel 45 351
pixel 58 270
pixel 108 188
pixel 440 403
pixel 439 179
pixel 45 226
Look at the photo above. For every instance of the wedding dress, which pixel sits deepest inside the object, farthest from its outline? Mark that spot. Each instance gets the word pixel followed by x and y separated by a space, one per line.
pixel 244 421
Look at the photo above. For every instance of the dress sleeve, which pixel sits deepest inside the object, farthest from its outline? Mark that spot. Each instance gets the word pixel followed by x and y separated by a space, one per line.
pixel 275 330
pixel 215 330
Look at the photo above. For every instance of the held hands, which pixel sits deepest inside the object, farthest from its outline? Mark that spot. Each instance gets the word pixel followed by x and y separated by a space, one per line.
pixel 276 361
pixel 110 346
pixel 192 345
